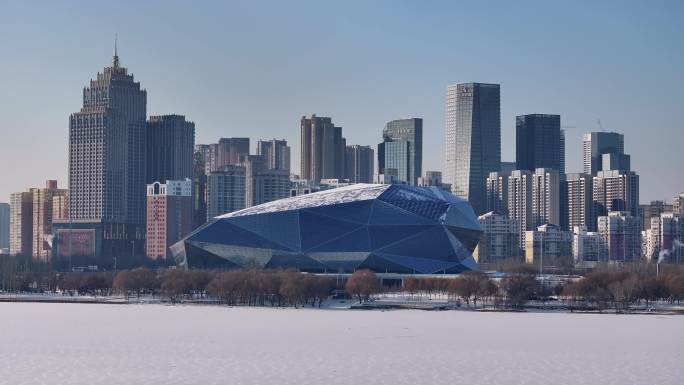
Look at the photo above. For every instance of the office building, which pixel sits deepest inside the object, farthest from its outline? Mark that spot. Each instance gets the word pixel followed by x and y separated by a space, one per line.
pixel 433 179
pixel 596 144
pixel 620 234
pixel 359 164
pixel 4 225
pixel 322 149
pixel 546 244
pixel 231 151
pixel 170 148
pixel 538 142
pixel 586 246
pixel 613 161
pixel 579 192
pixel 169 215
pixel 276 154
pixel 263 184
pixel 402 149
pixel 507 168
pixel 473 140
pixel 225 191
pixel 107 150
pixel 21 223
pixel 500 239
pixel 207 153
pixel 615 191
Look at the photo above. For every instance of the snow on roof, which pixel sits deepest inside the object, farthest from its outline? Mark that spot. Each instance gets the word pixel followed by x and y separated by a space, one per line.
pixel 351 193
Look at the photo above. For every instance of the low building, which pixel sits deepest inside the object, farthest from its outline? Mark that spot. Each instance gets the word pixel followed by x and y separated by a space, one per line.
pixel 500 239
pixel 169 215
pixel 547 244
pixel 620 237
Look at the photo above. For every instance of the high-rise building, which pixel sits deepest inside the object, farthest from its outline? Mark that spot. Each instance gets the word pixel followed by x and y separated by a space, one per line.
pixel 4 225
pixel 169 215
pixel 520 200
pixel 276 154
pixel 507 168
pixel 402 149
pixel 473 140
pixel 43 211
pixel 620 234
pixel 500 240
pixel 615 191
pixel 359 164
pixel 545 197
pixel 538 142
pixel 170 148
pixel 546 244
pixel 653 210
pixel 208 155
pixel 433 178
pixel 497 192
pixel 598 143
pixel 21 223
pixel 678 204
pixel 586 245
pixel 231 151
pixel 613 161
pixel 322 149
pixel 671 237
pixel 264 184
pixel 225 191
pixel 579 192
pixel 199 191
pixel 107 150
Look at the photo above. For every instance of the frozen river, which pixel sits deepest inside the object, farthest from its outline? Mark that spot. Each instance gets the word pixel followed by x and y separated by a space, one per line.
pixel 156 344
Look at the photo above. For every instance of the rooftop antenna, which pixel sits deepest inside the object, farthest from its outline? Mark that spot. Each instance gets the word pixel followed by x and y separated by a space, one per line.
pixel 116 51
pixel 600 125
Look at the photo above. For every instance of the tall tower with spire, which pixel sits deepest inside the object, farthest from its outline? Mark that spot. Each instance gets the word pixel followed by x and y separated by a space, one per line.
pixel 106 150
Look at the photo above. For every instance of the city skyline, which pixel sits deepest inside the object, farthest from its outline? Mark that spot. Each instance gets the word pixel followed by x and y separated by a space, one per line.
pixel 629 100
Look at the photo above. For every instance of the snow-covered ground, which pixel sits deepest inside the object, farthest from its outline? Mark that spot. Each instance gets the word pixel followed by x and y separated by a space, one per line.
pixel 158 344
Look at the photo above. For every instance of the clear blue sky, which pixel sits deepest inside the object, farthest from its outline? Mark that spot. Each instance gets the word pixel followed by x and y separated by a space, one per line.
pixel 254 68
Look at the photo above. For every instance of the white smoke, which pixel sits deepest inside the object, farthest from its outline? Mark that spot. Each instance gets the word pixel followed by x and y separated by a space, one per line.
pixel 666 253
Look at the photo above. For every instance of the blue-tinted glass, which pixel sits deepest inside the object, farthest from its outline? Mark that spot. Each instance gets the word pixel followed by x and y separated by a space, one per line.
pixel 382 236
pixel 420 265
pixel 281 227
pixel 468 238
pixel 298 261
pixel 462 216
pixel 222 232
pixel 318 229
pixel 379 264
pixel 357 240
pixel 352 212
pixel 432 243
pixel 340 261
pixel 387 214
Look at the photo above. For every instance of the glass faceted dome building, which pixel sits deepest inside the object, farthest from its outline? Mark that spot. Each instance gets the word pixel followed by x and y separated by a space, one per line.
pixel 385 228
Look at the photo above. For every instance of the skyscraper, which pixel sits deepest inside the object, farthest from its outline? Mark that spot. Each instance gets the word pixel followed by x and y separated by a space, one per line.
pixel 231 151
pixel 402 149
pixel 322 149
pixel 473 139
pixel 225 191
pixel 169 215
pixel 4 225
pixel 497 192
pixel 276 154
pixel 615 191
pixel 199 190
pixel 520 200
pixel 262 183
pixel 43 200
pixel 546 197
pixel 107 150
pixel 359 164
pixel 170 148
pixel 580 201
pixel 678 204
pixel 538 142
pixel 21 220
pixel 595 144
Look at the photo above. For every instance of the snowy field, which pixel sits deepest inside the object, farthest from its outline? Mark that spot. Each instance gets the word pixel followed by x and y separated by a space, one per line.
pixel 157 344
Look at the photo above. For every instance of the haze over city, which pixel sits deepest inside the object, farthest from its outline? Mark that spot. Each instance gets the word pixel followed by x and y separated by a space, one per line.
pixel 254 68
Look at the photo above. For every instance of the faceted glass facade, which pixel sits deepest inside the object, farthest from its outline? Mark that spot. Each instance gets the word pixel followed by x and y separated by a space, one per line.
pixel 386 228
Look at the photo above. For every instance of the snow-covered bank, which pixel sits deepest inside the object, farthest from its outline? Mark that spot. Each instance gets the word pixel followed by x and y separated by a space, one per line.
pixel 155 344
